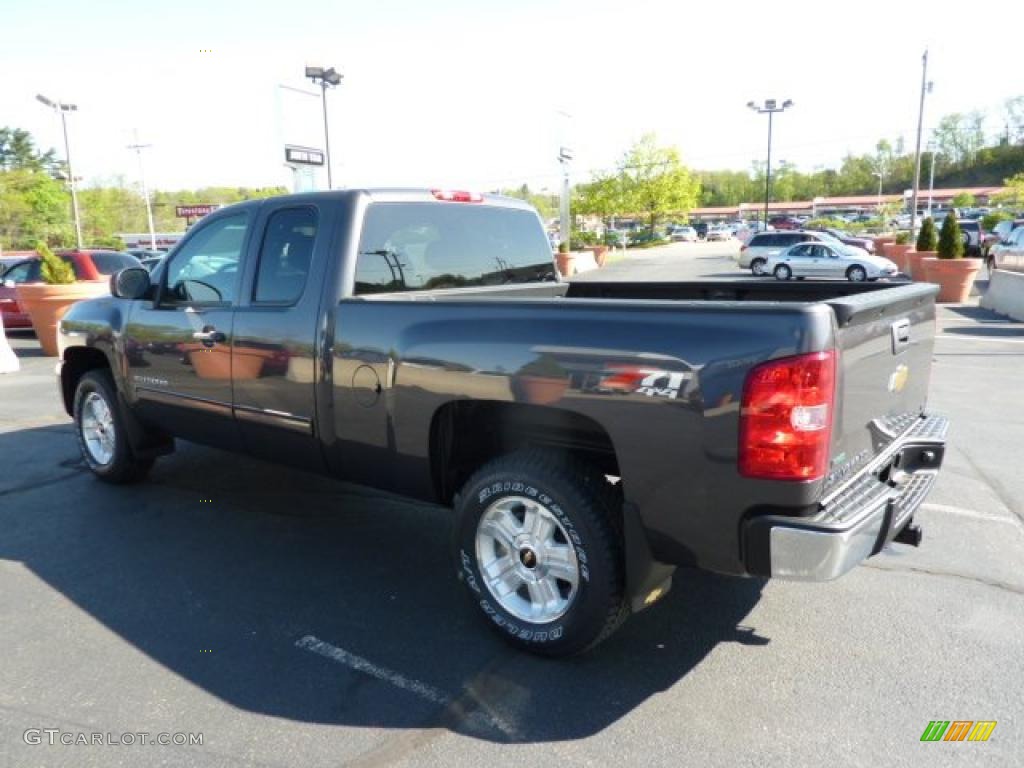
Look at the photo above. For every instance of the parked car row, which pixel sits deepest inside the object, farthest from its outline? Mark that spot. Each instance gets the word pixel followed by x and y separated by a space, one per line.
pixel 811 253
pixel 1008 253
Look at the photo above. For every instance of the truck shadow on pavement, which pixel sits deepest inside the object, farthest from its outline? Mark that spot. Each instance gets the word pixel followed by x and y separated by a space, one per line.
pixel 218 566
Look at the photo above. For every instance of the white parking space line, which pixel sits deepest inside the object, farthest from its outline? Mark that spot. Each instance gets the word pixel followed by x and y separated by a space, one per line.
pixel 973 514
pixel 958 337
pixel 469 704
pixel 359 664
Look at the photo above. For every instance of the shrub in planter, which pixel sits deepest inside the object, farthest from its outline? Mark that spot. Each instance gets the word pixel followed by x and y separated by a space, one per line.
pixel 926 240
pixel 902 238
pixel 565 260
pixel 925 248
pixel 46 302
pixel 951 271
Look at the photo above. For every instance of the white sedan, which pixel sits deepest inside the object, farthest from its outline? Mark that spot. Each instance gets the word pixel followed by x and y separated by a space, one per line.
pixel 831 261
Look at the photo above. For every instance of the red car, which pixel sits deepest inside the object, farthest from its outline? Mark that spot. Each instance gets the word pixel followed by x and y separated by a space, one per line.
pixel 784 222
pixel 88 265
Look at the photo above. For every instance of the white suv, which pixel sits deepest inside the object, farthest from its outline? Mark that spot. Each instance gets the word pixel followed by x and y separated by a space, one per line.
pixel 762 246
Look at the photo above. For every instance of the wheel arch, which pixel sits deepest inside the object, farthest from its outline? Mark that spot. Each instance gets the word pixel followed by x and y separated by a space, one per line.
pixel 459 444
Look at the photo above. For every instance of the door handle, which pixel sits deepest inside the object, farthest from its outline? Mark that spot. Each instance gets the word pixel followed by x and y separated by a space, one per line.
pixel 209 336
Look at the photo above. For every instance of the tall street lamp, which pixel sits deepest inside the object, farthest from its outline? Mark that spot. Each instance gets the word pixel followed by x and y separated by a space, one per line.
pixel 878 202
pixel 145 190
pixel 770 107
pixel 62 108
pixel 327 78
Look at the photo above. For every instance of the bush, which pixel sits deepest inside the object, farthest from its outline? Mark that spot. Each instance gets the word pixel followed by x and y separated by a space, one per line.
pixel 54 270
pixel 951 241
pixel 902 238
pixel 563 247
pixel 926 240
pixel 579 237
pixel 824 223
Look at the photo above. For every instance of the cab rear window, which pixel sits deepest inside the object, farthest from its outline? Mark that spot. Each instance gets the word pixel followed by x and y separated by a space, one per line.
pixel 424 246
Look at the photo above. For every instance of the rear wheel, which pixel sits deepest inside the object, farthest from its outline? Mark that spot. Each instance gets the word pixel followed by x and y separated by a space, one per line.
pixel 856 274
pixel 101 432
pixel 757 267
pixel 539 550
pixel 782 272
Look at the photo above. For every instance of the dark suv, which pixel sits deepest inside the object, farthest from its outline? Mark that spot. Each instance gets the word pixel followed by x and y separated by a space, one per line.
pixel 973 235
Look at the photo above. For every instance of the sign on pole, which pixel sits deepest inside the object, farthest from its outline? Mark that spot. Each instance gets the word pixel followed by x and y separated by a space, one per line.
pixel 296 155
pixel 194 211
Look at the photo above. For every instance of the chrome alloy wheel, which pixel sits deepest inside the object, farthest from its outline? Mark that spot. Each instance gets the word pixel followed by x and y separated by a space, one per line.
pixel 526 559
pixel 97 425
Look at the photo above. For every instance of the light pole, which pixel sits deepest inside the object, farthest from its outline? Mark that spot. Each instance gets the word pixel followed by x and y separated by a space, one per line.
pixel 564 157
pixel 769 108
pixel 145 191
pixel 63 109
pixel 926 87
pixel 327 78
pixel 878 202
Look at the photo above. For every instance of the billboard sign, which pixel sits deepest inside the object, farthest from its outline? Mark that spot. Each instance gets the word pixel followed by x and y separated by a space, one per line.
pixel 194 211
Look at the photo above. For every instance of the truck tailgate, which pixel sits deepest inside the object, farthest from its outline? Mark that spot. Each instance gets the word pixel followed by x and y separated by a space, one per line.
pixel 885 340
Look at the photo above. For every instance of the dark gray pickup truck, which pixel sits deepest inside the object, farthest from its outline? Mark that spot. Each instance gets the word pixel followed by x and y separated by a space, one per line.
pixel 591 437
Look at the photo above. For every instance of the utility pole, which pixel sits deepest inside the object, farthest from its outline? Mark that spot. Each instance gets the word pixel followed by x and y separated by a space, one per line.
pixel 63 109
pixel 145 190
pixel 926 87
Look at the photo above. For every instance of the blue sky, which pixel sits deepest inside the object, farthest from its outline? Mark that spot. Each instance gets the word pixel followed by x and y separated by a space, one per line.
pixel 473 94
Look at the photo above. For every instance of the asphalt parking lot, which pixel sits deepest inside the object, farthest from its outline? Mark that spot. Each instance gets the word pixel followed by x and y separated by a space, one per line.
pixel 293 620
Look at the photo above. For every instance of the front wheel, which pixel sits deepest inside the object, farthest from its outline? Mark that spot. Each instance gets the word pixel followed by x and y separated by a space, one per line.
pixel 101 431
pixel 539 550
pixel 782 272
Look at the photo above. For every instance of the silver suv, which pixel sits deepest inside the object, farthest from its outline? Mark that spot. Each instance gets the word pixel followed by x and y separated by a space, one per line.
pixel 762 246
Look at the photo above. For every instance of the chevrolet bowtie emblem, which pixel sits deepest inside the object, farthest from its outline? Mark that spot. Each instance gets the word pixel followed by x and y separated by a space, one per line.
pixel 898 378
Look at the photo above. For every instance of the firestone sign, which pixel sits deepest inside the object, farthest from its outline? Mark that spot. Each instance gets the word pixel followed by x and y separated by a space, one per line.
pixel 194 211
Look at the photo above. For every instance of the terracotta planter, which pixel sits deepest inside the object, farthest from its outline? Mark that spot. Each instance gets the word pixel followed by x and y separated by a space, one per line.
pixel 914 266
pixel 215 362
pixel 539 390
pixel 47 304
pixel 897 253
pixel 955 277
pixel 566 264
pixel 600 254
pixel 881 241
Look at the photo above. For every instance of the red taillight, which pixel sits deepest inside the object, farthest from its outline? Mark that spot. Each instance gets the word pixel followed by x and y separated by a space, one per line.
pixel 457 196
pixel 786 417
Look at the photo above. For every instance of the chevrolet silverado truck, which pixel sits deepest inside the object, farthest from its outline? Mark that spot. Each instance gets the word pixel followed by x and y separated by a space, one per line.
pixel 590 437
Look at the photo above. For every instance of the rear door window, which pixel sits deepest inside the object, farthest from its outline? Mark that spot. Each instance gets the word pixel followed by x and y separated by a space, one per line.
pixel 424 246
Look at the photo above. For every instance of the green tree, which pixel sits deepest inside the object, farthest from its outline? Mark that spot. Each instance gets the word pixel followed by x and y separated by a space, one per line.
pixel 18 152
pixel 951 242
pixel 655 182
pixel 963 200
pixel 926 240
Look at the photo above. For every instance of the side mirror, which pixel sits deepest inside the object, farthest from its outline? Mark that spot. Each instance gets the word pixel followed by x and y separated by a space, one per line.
pixel 130 283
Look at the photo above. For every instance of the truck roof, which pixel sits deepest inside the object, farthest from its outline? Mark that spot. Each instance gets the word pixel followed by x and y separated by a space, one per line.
pixel 404 195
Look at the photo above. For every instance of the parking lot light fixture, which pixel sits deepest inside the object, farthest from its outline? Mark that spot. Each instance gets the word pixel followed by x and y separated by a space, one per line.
pixel 769 107
pixel 327 77
pixel 62 109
